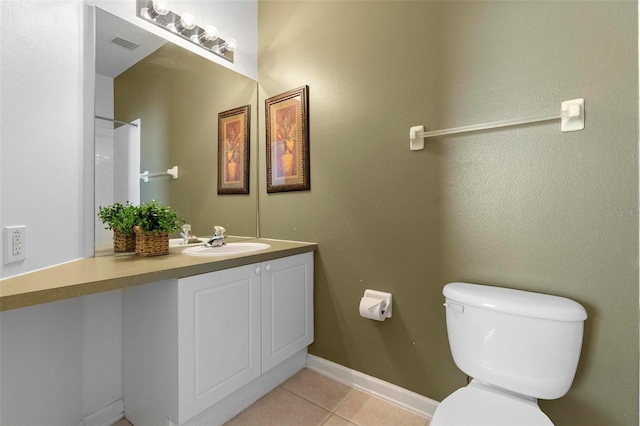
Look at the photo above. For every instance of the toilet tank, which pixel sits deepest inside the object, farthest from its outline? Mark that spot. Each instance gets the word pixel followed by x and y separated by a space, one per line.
pixel 525 342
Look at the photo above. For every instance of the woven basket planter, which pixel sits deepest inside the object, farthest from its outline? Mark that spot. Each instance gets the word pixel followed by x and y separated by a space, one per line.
pixel 123 242
pixel 151 244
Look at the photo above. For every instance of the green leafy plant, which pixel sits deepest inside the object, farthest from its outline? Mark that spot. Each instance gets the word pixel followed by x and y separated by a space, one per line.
pixel 122 217
pixel 153 217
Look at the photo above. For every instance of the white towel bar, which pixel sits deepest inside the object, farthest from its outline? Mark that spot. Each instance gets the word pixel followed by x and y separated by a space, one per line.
pixel 571 114
pixel 173 172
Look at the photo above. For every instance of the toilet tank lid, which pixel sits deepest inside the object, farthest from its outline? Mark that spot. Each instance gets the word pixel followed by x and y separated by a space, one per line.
pixel 515 302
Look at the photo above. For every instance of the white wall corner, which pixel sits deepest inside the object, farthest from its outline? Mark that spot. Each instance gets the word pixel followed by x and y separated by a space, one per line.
pixel 389 392
pixel 106 416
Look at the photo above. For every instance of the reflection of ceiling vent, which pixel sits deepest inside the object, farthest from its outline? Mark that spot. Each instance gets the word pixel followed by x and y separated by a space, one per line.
pixel 122 42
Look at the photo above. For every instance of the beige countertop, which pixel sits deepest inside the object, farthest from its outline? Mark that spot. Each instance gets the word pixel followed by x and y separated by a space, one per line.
pixel 99 274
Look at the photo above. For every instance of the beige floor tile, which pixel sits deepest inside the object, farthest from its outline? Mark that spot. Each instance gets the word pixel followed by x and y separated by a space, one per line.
pixel 318 389
pixel 122 422
pixel 281 408
pixel 366 410
pixel 336 421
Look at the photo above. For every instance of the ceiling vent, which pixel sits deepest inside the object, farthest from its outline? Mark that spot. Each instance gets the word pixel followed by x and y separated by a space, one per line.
pixel 122 42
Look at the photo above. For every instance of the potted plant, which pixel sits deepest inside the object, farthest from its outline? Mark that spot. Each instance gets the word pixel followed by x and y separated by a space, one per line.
pixel 121 218
pixel 153 225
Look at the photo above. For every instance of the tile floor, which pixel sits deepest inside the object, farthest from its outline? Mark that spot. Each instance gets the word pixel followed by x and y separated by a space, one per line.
pixel 311 399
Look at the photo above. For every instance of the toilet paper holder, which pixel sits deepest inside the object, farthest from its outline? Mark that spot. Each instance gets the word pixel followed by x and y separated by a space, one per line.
pixel 387 299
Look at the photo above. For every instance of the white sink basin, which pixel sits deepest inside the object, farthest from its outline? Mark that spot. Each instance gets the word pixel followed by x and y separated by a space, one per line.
pixel 225 250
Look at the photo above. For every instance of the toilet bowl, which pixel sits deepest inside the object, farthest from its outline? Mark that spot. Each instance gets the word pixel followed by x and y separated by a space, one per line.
pixel 481 404
pixel 517 346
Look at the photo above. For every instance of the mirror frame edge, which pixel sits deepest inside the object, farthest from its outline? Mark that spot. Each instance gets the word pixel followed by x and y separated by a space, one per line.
pixel 88 132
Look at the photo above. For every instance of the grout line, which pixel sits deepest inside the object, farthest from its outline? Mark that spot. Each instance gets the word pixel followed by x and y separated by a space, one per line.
pixel 340 417
pixel 302 397
pixel 346 420
pixel 351 389
pixel 306 399
pixel 343 400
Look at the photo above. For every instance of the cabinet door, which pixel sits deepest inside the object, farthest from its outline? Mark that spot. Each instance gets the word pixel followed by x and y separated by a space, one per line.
pixel 218 335
pixel 287 308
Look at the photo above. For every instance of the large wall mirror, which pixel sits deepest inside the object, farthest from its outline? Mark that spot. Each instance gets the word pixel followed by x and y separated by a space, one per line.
pixel 169 99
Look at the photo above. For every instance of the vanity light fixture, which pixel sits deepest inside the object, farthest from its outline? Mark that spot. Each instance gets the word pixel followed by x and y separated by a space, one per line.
pixel 158 13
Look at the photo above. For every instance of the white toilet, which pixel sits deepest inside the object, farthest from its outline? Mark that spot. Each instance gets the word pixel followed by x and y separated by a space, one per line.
pixel 517 346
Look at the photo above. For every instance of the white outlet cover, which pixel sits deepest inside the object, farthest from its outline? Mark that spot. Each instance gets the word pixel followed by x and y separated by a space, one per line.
pixel 8 238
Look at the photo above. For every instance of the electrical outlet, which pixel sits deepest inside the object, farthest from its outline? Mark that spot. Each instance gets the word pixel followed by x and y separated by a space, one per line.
pixel 17 242
pixel 15 248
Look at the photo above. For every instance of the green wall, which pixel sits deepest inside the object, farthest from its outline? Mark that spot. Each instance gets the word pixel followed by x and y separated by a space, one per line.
pixel 527 207
pixel 178 96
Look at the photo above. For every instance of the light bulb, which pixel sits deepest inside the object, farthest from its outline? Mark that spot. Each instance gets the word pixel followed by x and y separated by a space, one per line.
pixel 158 9
pixel 231 44
pixel 210 33
pixel 188 21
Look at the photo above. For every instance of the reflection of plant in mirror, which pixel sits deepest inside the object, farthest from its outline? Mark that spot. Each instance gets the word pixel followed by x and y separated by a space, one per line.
pixel 153 217
pixel 120 217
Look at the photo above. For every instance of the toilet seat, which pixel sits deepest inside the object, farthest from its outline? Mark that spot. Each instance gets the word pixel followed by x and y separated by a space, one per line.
pixel 480 405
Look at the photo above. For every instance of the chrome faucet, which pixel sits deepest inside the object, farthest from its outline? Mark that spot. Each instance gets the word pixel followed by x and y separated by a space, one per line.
pixel 186 233
pixel 218 237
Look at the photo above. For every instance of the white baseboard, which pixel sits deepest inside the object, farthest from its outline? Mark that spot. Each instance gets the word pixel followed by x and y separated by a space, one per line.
pixel 106 416
pixel 404 398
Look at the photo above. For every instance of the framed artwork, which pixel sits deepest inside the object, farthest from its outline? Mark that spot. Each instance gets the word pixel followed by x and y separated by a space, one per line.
pixel 287 124
pixel 233 151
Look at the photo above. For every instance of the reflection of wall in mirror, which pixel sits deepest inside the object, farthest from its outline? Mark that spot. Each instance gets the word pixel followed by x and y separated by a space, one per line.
pixel 178 95
pixel 126 163
pixel 117 160
pixel 103 157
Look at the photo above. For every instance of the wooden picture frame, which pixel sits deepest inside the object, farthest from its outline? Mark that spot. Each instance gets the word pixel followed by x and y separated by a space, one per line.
pixel 287 126
pixel 233 150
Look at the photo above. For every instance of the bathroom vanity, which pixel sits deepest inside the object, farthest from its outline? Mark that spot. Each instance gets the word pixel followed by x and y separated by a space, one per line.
pixel 203 337
pixel 189 343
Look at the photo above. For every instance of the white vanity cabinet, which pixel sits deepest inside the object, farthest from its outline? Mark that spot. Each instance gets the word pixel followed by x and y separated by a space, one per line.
pixel 218 336
pixel 192 342
pixel 287 308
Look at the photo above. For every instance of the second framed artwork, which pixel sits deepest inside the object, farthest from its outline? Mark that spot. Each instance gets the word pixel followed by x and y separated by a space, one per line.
pixel 233 151
pixel 287 125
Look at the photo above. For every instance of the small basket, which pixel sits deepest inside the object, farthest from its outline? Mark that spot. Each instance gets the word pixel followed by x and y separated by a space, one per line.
pixel 123 242
pixel 151 244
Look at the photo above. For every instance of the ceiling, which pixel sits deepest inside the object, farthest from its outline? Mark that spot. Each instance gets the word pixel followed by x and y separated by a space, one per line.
pixel 112 59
